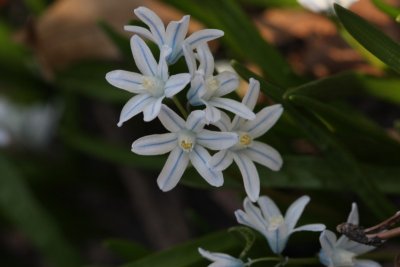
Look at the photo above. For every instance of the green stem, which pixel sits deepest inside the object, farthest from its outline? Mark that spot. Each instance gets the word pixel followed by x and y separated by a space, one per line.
pixel 286 261
pixel 180 107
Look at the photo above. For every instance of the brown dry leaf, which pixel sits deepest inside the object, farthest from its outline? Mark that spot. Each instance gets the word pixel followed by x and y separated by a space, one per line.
pixel 68 31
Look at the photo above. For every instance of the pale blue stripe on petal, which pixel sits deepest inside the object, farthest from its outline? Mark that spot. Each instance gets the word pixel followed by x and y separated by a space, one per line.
pixel 173 169
pixel 155 144
pixel 134 106
pixel 170 120
pixel 232 106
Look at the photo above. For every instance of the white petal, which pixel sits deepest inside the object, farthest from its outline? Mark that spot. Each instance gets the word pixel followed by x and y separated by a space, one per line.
pixel 212 114
pixel 189 58
pixel 175 34
pixel 170 120
pixel 154 22
pixel 196 87
pixel 228 82
pixel 203 36
pixel 277 239
pixel 199 157
pixel 366 263
pixel 264 155
pixel 134 106
pixel 315 227
pixel 353 216
pixel 250 100
pixel 251 217
pixel 155 144
pixel 162 69
pixel 221 160
pixel 327 239
pixel 221 259
pixel 268 207
pixel 151 111
pixel 126 80
pixel 195 121
pixel 264 120
pixel 316 6
pixel 358 248
pixel 233 106
pixel 216 140
pixel 206 59
pixel 143 57
pixel 294 211
pixel 143 32
pixel 224 123
pixel 173 169
pixel 176 83
pixel 250 176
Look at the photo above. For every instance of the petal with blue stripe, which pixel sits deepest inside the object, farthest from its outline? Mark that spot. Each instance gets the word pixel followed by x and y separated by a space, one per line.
pixel 176 83
pixel 155 24
pixel 151 111
pixel 250 176
pixel 232 106
pixel 295 210
pixel 134 106
pixel 175 34
pixel 206 59
pixel 265 119
pixel 264 155
pixel 228 82
pixel 199 157
pixel 221 160
pixel 143 32
pixel 173 169
pixel 143 57
pixel 156 144
pixel 170 120
pixel 216 140
pixel 126 80
pixel 195 121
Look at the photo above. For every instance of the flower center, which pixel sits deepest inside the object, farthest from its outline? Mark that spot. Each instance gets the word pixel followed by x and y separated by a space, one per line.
pixel 154 85
pixel 186 140
pixel 343 258
pixel 245 140
pixel 275 222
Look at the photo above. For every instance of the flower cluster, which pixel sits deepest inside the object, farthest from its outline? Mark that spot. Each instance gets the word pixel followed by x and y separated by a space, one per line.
pixel 190 139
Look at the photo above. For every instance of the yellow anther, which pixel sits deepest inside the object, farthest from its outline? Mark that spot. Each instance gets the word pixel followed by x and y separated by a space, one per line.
pixel 186 145
pixel 245 139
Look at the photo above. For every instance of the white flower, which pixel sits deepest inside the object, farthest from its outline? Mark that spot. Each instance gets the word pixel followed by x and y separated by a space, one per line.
pixel 221 259
pixel 173 36
pixel 150 87
pixel 268 220
pixel 247 149
pixel 342 252
pixel 208 90
pixel 186 142
pixel 320 6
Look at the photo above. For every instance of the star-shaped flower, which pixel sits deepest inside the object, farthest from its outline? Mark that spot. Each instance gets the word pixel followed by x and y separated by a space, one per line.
pixel 342 252
pixel 187 141
pixel 247 150
pixel 268 220
pixel 150 87
pixel 173 35
pixel 207 89
pixel 221 259
pixel 320 6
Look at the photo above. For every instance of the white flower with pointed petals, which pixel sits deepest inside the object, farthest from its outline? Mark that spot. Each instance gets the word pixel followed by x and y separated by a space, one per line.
pixel 150 87
pixel 221 259
pixel 268 220
pixel 207 89
pixel 173 35
pixel 320 6
pixel 342 252
pixel 248 150
pixel 187 141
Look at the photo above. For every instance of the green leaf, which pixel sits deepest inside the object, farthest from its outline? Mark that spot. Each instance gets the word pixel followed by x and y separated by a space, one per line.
pixel 126 249
pixel 88 79
pixel 241 36
pixel 18 205
pixel 370 37
pixel 36 6
pixel 388 9
pixel 118 39
pixel 186 255
pixel 271 3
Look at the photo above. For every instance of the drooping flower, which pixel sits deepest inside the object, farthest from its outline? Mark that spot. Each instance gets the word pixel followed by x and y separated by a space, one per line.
pixel 187 141
pixel 320 6
pixel 268 220
pixel 207 89
pixel 221 259
pixel 173 35
pixel 150 87
pixel 247 150
pixel 342 252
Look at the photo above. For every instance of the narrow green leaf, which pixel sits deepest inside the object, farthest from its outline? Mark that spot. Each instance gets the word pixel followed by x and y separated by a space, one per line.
pixel 271 3
pixel 126 249
pixel 20 207
pixel 241 36
pixel 370 37
pixel 388 9
pixel 186 255
pixel 118 39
